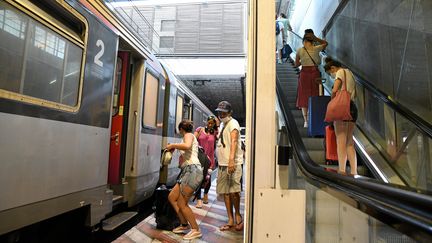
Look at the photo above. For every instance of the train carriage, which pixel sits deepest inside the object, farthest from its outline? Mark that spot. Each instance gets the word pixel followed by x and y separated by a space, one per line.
pixel 85 110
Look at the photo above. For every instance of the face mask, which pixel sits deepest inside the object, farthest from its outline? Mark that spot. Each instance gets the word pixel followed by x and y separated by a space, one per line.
pixel 226 119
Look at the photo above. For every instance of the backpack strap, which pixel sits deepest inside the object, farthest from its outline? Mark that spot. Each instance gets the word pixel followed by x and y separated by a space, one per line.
pixel 199 133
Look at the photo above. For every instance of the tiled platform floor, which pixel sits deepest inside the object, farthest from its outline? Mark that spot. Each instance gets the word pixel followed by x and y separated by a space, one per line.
pixel 209 218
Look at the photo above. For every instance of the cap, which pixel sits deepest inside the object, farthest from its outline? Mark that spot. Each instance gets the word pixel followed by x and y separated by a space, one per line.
pixel 224 106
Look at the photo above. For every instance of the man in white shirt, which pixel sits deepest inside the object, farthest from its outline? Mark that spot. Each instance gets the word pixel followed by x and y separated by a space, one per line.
pixel 280 40
pixel 230 160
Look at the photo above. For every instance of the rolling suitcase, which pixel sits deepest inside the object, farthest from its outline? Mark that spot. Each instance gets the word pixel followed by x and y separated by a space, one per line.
pixel 286 51
pixel 316 113
pixel 166 217
pixel 330 146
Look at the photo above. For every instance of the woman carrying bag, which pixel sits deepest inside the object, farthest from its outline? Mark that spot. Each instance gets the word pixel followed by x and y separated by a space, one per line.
pixel 207 137
pixel 308 57
pixel 342 111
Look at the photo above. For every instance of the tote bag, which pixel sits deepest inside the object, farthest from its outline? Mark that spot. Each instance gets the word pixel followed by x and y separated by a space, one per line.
pixel 338 109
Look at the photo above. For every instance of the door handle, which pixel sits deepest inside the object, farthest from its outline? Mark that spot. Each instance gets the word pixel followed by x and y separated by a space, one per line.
pixel 115 138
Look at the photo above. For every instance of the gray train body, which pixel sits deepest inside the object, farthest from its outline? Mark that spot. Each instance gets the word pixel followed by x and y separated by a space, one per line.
pixel 56 113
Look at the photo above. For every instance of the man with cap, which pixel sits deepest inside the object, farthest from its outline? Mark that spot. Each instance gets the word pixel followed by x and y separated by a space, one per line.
pixel 230 158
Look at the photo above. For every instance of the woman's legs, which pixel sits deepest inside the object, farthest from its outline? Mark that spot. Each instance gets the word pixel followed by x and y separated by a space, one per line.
pixel 184 208
pixel 341 131
pixel 351 153
pixel 305 115
pixel 173 197
pixel 207 189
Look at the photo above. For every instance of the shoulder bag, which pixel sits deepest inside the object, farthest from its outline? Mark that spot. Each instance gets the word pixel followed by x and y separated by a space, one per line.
pixel 338 109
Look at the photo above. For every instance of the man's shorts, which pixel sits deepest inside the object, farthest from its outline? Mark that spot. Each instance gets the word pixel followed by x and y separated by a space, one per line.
pixel 191 176
pixel 228 183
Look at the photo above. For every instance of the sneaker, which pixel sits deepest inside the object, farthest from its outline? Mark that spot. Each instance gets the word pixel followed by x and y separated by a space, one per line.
pixel 305 125
pixel 279 61
pixel 193 234
pixel 180 229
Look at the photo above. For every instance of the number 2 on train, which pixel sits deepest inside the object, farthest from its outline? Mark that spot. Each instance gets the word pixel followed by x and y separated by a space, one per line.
pixel 99 43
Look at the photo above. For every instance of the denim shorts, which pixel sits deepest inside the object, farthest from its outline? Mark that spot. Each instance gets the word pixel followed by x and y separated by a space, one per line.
pixel 191 176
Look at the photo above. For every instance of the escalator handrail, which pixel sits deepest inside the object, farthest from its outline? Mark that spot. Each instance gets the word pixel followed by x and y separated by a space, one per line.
pixel 410 207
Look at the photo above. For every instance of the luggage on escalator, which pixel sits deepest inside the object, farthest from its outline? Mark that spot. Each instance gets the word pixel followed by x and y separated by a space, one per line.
pixel 166 217
pixel 286 51
pixel 317 108
pixel 330 146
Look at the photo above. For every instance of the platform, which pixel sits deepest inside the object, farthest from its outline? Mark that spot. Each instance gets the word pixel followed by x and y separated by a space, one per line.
pixel 209 218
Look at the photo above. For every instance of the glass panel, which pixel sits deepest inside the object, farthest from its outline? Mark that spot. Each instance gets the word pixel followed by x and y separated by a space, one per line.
pixel 166 42
pixel 150 100
pixel 117 83
pixel 179 111
pixel 42 49
pixel 167 25
pixel 12 46
pixel 413 158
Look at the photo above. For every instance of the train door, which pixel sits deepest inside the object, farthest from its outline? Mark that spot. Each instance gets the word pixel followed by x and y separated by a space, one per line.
pixel 118 121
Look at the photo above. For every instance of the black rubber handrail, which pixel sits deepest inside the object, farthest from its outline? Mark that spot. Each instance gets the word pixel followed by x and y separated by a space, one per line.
pixel 406 210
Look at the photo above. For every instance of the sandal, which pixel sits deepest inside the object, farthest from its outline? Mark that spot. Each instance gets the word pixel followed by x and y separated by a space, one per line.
pixel 226 227
pixel 193 234
pixel 239 225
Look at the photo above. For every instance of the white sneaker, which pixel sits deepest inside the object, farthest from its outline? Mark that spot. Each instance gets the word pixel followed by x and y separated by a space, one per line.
pixel 279 61
pixel 193 234
pixel 180 229
pixel 305 125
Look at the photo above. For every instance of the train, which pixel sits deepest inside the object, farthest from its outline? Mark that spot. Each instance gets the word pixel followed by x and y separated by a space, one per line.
pixel 85 111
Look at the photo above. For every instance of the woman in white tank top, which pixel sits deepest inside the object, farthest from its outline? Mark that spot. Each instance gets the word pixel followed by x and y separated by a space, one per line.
pixel 344 129
pixel 189 180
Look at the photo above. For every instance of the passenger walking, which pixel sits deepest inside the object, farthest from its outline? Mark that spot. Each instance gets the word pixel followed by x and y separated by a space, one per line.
pixel 230 158
pixel 189 180
pixel 308 57
pixel 279 40
pixel 207 137
pixel 344 129
pixel 286 25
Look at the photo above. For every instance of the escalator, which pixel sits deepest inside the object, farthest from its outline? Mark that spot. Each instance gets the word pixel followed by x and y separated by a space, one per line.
pixel 387 202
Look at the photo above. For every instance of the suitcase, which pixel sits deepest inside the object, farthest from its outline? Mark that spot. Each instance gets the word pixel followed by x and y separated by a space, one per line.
pixel 166 217
pixel 286 51
pixel 330 146
pixel 317 108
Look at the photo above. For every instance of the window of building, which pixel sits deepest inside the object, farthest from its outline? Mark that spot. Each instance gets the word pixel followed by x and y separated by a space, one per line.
pixel 150 100
pixel 166 42
pixel 167 25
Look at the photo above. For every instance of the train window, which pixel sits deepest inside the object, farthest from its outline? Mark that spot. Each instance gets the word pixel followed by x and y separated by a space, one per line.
pixel 167 25
pixel 42 66
pixel 166 42
pixel 179 111
pixel 150 100
pixel 117 83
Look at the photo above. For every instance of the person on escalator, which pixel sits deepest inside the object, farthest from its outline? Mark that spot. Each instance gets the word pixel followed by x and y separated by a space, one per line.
pixel 344 129
pixel 308 57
